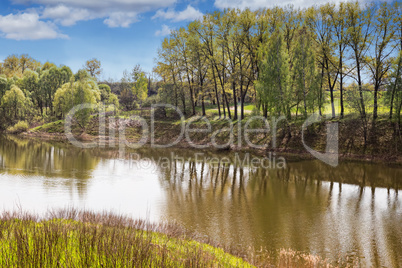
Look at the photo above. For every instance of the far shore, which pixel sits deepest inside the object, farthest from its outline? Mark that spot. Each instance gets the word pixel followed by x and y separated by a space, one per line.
pixel 291 154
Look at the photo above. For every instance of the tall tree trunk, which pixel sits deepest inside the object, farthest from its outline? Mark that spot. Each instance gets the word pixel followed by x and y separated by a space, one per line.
pixel 331 88
pixel 234 100
pixel 394 88
pixel 202 95
pixel 223 106
pixel 375 113
pixel 216 92
pixel 359 83
pixel 341 86
pixel 320 93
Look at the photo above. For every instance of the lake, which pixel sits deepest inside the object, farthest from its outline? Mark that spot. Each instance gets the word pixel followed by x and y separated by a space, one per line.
pixel 353 211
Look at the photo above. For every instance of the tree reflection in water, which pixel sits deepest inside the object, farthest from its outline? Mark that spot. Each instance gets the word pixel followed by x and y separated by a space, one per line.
pixel 350 211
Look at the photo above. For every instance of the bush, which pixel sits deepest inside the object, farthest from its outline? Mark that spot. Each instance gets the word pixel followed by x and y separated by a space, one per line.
pixel 135 105
pixel 19 127
pixel 148 102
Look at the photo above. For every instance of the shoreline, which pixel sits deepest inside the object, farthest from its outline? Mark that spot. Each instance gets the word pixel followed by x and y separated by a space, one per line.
pixel 288 153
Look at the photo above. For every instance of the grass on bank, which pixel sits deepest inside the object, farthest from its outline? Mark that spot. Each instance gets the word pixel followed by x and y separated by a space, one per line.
pixel 72 238
pixel 84 239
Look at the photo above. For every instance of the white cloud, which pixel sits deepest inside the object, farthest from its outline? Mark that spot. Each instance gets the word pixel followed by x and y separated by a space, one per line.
pixel 27 26
pixel 66 16
pixel 113 5
pixel 164 31
pixel 116 13
pixel 190 13
pixel 257 4
pixel 121 19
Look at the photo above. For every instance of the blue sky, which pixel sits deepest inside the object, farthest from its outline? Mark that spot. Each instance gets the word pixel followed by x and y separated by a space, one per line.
pixel 120 33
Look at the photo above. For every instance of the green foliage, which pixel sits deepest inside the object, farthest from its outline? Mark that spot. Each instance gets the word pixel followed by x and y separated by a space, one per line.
pixel 353 100
pixel 52 79
pixel 3 86
pixel 305 79
pixel 93 67
pixel 273 87
pixel 90 240
pixel 14 104
pixel 105 92
pixel 113 100
pixel 140 87
pixel 148 102
pixel 82 74
pixel 15 65
pixel 76 93
pixel 19 127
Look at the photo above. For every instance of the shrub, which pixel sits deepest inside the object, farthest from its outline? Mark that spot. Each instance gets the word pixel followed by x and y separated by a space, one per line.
pixel 19 127
pixel 148 102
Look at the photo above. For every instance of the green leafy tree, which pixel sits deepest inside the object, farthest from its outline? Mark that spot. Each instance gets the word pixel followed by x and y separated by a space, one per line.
pixel 273 82
pixel 76 93
pixel 14 104
pixel 51 80
pixel 140 87
pixel 15 65
pixel 105 92
pixel 30 83
pixel 93 66
pixel 359 37
pixel 304 71
pixel 3 86
pixel 379 62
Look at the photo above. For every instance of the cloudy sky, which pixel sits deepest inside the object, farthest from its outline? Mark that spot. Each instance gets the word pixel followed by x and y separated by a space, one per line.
pixel 120 33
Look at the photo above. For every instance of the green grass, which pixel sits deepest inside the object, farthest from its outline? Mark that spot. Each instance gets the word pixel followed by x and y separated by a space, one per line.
pixel 72 238
pixel 212 110
pixel 53 127
pixel 382 109
pixel 85 239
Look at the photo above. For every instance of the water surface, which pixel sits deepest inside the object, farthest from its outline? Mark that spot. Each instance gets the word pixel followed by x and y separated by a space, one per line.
pixel 354 210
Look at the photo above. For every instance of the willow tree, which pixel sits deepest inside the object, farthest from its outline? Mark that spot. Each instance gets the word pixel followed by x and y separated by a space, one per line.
pixel 52 79
pixel 272 86
pixel 140 87
pixel 76 93
pixel 14 104
pixel 30 83
pixel 3 86
pixel 304 70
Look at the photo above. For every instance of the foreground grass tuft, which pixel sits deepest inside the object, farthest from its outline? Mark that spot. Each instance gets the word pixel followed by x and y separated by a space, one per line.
pixel 73 238
pixel 84 239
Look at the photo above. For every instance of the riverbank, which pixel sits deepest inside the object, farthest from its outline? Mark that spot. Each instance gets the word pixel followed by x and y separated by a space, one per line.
pixel 383 143
pixel 74 238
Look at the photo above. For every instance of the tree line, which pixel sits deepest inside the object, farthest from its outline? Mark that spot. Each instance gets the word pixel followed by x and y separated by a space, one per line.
pixel 287 61
pixel 35 92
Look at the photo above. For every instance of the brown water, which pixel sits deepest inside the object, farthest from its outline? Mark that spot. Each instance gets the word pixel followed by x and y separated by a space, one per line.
pixel 352 211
